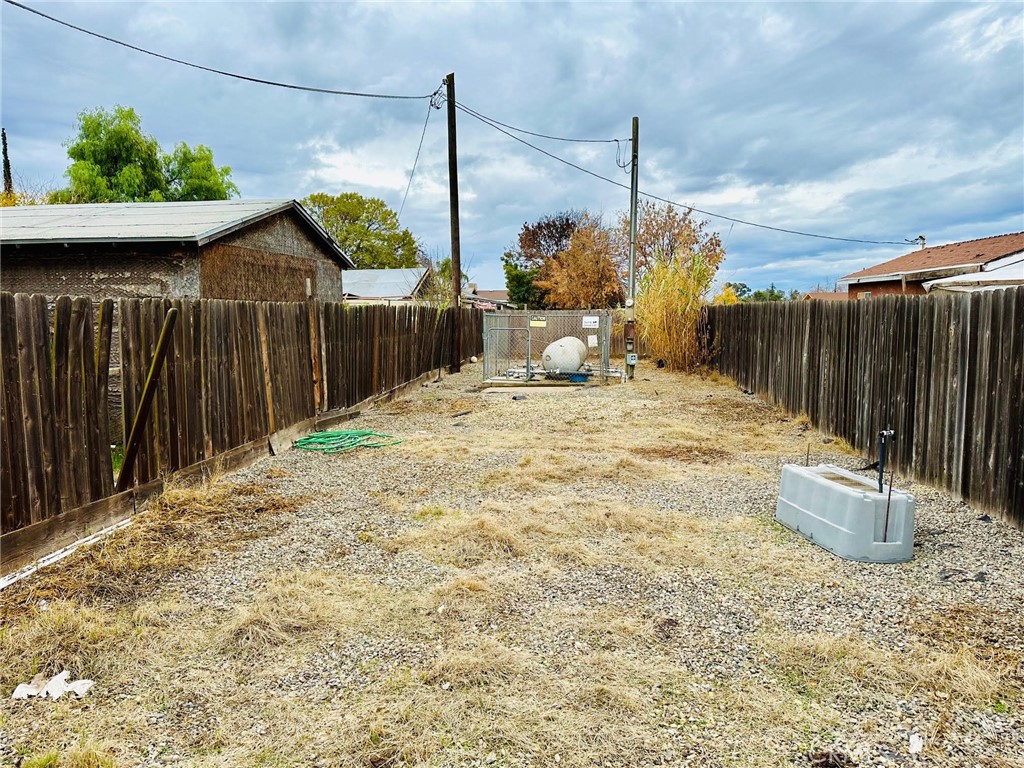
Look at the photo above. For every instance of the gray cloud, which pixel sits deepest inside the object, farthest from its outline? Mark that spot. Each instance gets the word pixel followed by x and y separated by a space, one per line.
pixel 877 121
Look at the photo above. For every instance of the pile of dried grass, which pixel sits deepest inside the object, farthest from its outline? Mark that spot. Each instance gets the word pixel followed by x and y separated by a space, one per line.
pixel 175 533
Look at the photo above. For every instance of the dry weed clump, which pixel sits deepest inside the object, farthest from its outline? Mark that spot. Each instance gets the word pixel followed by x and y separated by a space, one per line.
pixel 85 754
pixel 478 661
pixel 685 453
pixel 626 519
pixel 993 635
pixel 86 641
pixel 306 604
pixel 464 597
pixel 289 606
pixel 177 532
pixel 461 541
pixel 831 663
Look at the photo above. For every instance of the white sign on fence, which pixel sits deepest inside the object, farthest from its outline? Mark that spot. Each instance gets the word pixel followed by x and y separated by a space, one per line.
pixel 591 321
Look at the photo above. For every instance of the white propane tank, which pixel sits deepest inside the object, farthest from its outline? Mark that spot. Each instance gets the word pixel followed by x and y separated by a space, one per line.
pixel 567 354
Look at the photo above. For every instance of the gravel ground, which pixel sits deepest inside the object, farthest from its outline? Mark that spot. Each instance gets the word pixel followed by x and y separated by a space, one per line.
pixel 584 577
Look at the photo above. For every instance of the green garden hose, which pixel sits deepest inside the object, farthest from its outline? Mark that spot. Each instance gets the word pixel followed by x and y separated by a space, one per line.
pixel 343 440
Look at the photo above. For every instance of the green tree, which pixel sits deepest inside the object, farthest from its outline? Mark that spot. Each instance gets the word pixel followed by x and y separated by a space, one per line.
pixel 438 288
pixel 742 290
pixel 365 228
pixel 768 294
pixel 520 283
pixel 8 181
pixel 192 175
pixel 112 160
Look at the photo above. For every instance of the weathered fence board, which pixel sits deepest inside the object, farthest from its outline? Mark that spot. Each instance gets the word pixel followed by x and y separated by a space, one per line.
pixel 235 373
pixel 945 372
pixel 53 410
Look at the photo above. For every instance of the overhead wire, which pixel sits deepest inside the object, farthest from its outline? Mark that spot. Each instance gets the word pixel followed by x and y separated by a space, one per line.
pixel 651 196
pixel 434 96
pixel 224 73
pixel 480 115
pixel 435 103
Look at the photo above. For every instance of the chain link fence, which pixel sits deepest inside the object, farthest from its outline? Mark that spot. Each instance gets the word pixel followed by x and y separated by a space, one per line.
pixel 517 346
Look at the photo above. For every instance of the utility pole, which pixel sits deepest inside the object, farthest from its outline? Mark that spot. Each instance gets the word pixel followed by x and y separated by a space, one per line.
pixel 453 193
pixel 630 327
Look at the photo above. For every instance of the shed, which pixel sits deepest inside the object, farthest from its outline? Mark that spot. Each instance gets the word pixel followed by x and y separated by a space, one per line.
pixel 261 250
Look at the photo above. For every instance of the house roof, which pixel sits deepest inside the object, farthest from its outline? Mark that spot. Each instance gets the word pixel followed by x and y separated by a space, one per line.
pixel 383 283
pixel 826 296
pixel 493 295
pixel 967 256
pixel 192 222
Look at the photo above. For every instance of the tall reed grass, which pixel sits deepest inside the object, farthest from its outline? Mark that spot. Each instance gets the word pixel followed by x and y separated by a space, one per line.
pixel 670 305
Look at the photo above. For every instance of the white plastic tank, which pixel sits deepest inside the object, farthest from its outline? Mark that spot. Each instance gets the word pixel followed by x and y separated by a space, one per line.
pixel 566 354
pixel 845 514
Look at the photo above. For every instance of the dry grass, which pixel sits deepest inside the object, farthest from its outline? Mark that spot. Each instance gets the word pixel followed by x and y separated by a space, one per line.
pixel 835 664
pixel 85 754
pixel 462 541
pixel 88 642
pixel 177 532
pixel 289 606
pixel 533 635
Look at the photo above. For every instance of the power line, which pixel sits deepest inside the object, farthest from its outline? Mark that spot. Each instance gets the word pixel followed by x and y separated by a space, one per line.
pixel 222 72
pixel 734 220
pixel 482 116
pixel 435 103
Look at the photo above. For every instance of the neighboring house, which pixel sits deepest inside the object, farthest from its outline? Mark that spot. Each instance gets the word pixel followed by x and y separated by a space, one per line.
pixel 486 300
pixel 966 261
pixel 374 286
pixel 825 296
pixel 266 250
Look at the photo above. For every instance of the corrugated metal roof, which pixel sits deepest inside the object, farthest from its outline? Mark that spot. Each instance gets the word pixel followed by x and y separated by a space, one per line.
pixel 196 222
pixel 382 283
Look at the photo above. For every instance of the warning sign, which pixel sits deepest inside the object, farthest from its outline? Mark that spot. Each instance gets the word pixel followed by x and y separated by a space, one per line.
pixel 591 321
pixel 538 322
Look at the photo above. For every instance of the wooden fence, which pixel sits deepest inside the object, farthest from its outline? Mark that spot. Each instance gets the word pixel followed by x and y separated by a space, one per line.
pixel 236 374
pixel 945 372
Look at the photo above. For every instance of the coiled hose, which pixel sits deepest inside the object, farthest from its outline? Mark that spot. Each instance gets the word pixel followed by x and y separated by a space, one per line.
pixel 339 441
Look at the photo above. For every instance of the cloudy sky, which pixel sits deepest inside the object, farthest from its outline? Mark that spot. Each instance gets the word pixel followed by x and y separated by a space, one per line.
pixel 871 121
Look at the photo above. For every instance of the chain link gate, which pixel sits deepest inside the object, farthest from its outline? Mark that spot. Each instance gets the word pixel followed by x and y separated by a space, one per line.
pixel 515 342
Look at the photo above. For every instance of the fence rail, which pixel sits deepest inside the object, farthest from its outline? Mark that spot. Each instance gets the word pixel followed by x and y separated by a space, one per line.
pixel 236 372
pixel 945 372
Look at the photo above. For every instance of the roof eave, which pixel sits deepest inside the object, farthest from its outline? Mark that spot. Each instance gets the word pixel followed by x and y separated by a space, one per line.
pixel 101 240
pixel 233 226
pixel 917 274
pixel 341 256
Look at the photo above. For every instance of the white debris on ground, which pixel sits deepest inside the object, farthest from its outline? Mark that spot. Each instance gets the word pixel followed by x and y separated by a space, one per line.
pixel 52 687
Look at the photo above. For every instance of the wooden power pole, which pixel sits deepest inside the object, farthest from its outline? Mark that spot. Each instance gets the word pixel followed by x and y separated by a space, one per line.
pixel 453 193
pixel 630 329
